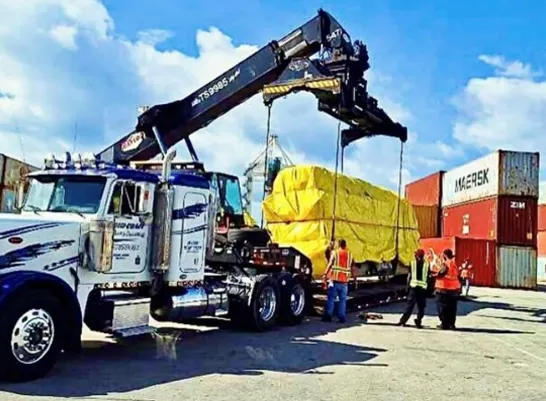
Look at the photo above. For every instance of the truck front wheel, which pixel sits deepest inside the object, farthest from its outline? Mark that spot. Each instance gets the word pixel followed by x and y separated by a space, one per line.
pixel 31 332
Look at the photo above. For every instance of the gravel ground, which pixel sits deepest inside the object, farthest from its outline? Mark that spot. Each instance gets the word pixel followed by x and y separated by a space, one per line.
pixel 498 353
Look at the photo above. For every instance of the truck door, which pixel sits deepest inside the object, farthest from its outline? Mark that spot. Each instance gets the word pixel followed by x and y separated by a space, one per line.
pixel 194 229
pixel 130 205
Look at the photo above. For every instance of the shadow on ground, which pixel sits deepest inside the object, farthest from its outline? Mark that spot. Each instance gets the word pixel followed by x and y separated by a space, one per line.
pixel 465 307
pixel 173 355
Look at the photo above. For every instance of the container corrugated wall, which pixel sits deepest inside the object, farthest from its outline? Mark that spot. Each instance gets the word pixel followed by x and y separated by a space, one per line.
pixel 425 192
pixel 510 220
pixel 516 267
pixel 541 243
pixel 541 268
pixel 483 256
pixel 474 220
pixel 541 217
pixel 518 173
pixel 481 253
pixel 427 220
pixel 499 173
pixel 517 220
pixel 475 180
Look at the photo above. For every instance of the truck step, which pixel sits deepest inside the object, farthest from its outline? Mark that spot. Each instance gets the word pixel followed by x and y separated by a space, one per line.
pixel 128 312
pixel 133 331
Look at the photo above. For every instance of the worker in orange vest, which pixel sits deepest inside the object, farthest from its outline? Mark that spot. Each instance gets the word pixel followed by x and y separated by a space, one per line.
pixel 466 275
pixel 447 290
pixel 338 273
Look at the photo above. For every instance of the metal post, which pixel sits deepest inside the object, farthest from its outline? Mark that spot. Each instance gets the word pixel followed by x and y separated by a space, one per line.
pixel 267 135
pixel 159 141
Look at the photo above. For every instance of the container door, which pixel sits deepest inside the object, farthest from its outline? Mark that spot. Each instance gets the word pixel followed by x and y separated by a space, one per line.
pixel 517 221
pixel 482 255
pixel 516 267
pixel 194 230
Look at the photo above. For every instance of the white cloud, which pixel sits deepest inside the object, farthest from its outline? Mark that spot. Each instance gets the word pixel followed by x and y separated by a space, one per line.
pixel 507 111
pixel 503 111
pixel 513 69
pixel 154 37
pixel 49 96
pixel 65 35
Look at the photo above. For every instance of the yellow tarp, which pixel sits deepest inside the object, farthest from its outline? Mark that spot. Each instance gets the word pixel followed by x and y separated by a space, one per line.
pixel 299 213
pixel 249 220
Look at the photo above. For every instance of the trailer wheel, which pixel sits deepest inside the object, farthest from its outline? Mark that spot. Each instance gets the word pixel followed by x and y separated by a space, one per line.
pixel 31 334
pixel 264 305
pixel 293 300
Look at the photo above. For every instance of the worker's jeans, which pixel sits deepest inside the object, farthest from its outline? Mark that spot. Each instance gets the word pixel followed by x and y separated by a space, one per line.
pixel 338 290
pixel 466 286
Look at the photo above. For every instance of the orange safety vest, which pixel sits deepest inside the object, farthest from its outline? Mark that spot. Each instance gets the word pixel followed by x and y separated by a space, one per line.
pixel 341 269
pixel 449 282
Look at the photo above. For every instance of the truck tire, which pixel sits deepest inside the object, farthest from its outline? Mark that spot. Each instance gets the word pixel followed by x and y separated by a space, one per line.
pixel 31 335
pixel 265 304
pixel 293 300
pixel 264 308
pixel 253 235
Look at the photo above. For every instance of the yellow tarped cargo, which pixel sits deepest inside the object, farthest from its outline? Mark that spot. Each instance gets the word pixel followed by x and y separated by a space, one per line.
pixel 299 213
pixel 249 220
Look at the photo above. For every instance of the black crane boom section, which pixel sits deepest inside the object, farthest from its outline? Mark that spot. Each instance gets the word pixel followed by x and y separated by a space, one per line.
pixel 164 125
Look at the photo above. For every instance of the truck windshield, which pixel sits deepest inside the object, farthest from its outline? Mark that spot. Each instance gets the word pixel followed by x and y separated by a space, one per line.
pixel 65 194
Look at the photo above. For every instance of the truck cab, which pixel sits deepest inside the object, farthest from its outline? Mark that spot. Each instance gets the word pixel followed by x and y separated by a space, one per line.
pixel 109 246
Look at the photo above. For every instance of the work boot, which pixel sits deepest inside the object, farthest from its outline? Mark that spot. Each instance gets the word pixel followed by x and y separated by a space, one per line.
pixel 401 324
pixel 418 324
pixel 342 320
pixel 442 327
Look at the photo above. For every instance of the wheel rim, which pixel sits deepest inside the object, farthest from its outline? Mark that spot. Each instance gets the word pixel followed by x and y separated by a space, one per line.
pixel 32 336
pixel 267 303
pixel 297 299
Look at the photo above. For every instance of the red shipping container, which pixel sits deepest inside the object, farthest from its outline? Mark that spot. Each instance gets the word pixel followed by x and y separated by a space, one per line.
pixel 428 219
pixel 510 220
pixel 481 253
pixel 427 191
pixel 541 217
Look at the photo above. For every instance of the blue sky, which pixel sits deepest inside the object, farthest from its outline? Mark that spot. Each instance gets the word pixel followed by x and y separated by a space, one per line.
pixel 430 49
pixel 465 77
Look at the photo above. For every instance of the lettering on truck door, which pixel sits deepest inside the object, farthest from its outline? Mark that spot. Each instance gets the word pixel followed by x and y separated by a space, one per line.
pixel 132 227
pixel 194 228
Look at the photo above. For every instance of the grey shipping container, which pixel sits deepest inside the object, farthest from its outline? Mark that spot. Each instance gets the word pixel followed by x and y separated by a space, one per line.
pixel 516 267
pixel 541 269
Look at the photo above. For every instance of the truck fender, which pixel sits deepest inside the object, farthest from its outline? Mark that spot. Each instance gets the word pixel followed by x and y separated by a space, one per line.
pixel 17 282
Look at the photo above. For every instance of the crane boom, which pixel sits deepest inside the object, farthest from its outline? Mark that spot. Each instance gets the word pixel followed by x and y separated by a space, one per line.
pixel 164 125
